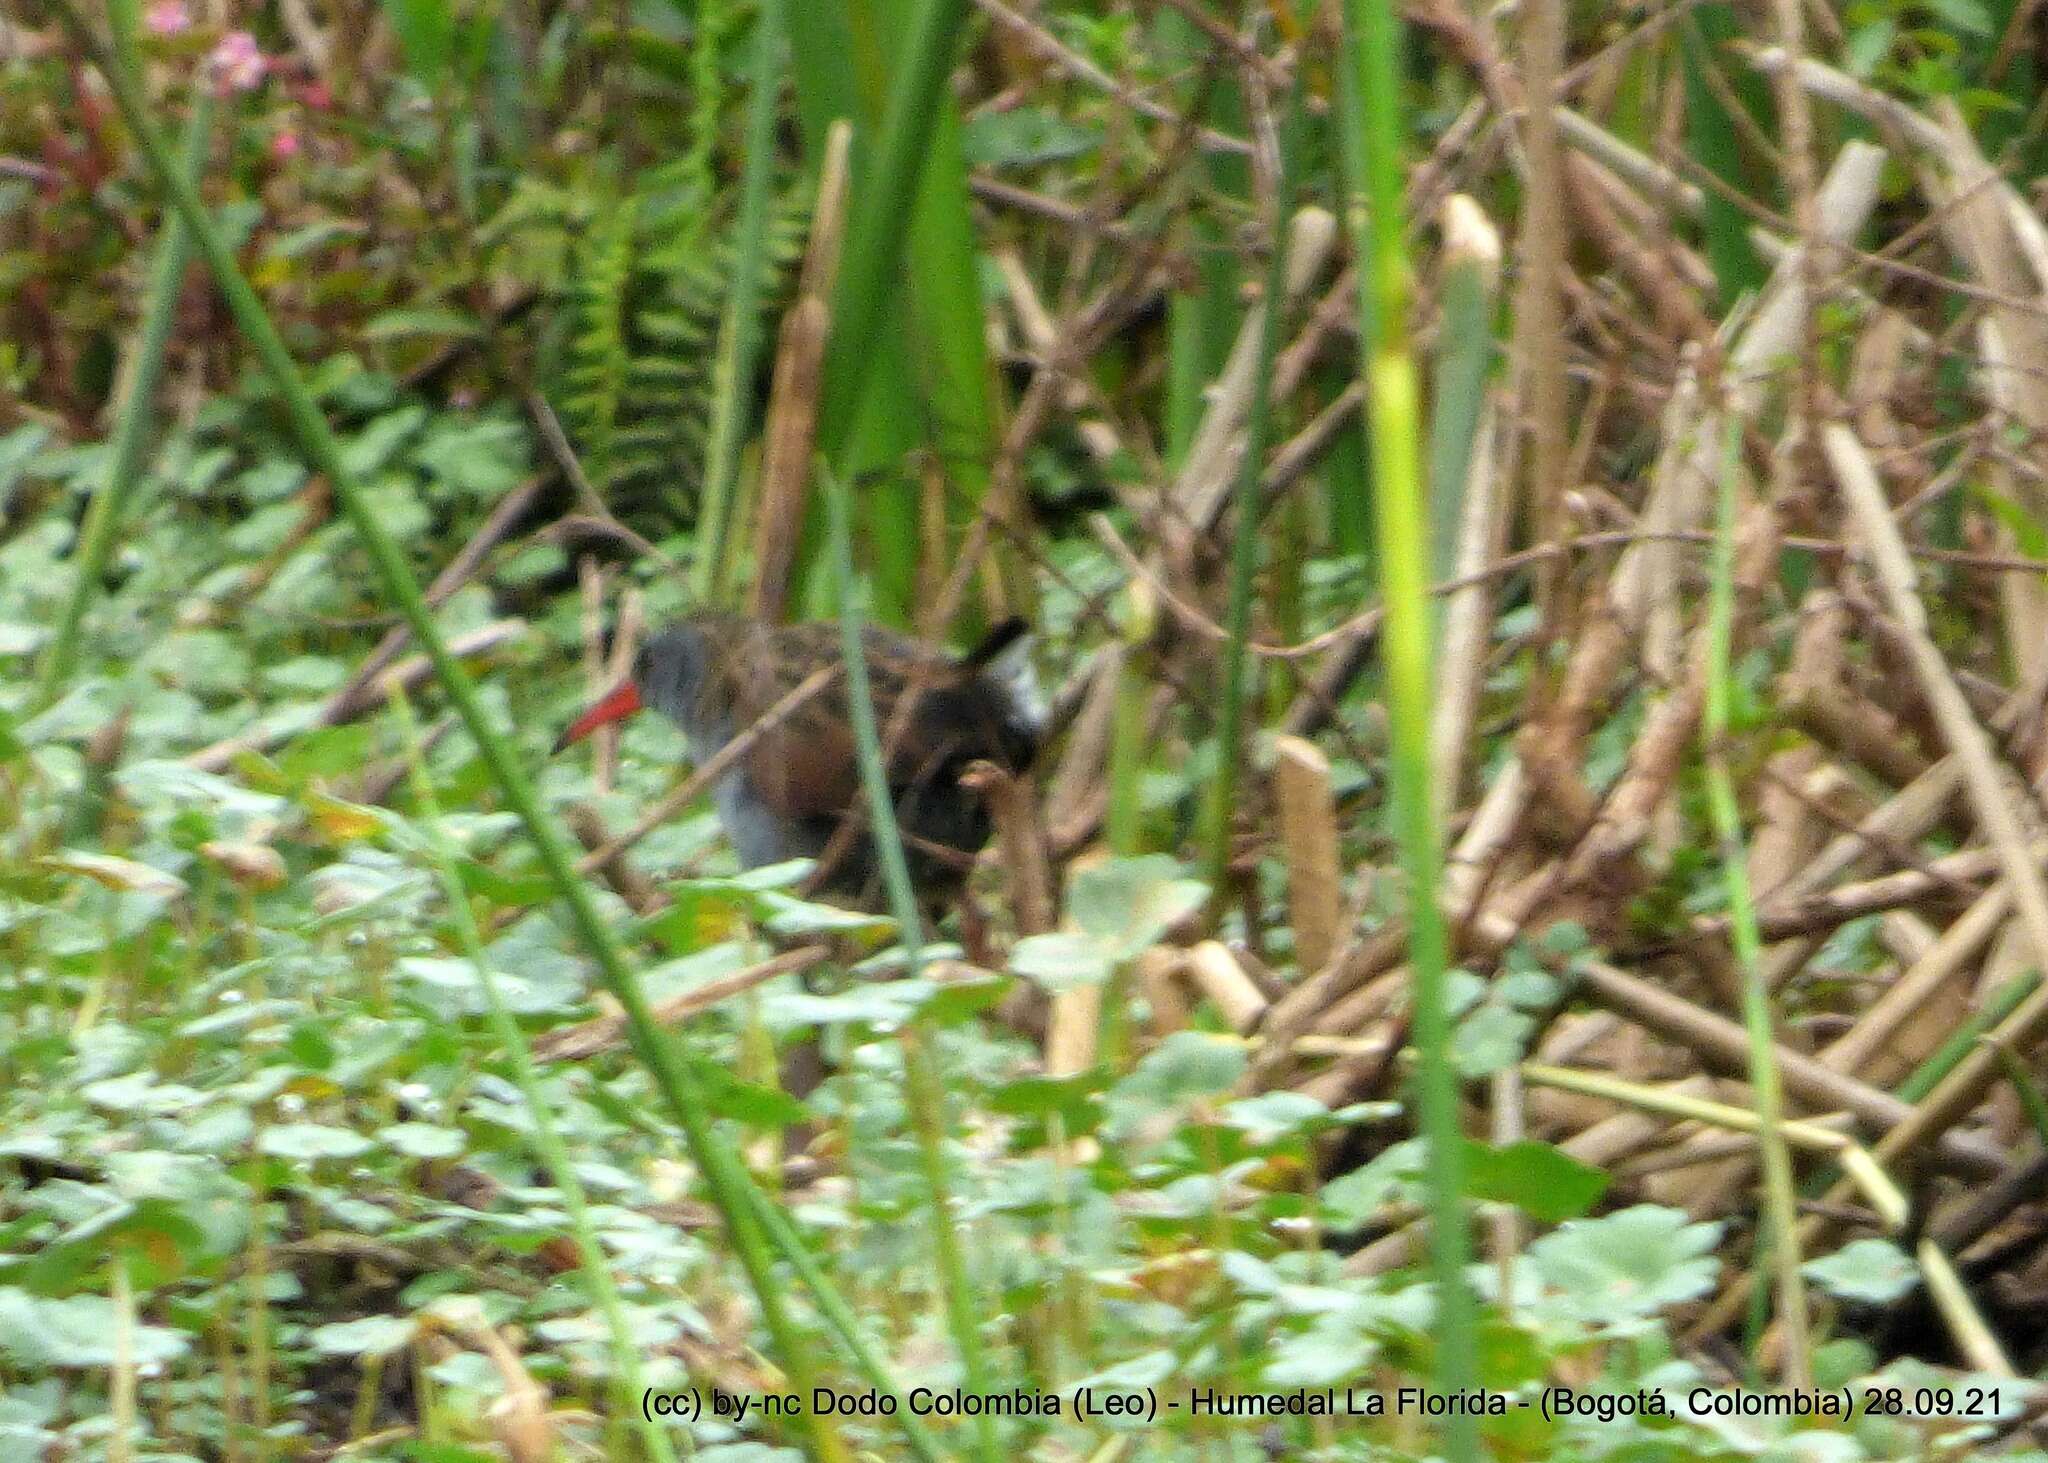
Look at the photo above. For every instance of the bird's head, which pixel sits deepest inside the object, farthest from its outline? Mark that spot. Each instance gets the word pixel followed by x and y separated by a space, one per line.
pixel 669 674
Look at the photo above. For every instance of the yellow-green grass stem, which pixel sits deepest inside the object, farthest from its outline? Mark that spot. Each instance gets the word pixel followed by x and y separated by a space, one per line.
pixel 628 1379
pixel 924 1093
pixel 1372 134
pixel 1766 1084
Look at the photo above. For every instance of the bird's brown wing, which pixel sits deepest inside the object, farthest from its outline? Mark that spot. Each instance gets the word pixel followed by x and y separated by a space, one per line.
pixel 807 766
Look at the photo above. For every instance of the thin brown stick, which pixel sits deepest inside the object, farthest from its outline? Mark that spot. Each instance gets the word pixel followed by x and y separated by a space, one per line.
pixel 600 1034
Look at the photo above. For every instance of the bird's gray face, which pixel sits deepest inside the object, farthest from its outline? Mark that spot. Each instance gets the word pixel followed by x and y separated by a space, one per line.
pixel 672 671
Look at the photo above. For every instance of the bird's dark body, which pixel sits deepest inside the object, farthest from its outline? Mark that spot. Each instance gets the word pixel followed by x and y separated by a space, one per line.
pixel 789 795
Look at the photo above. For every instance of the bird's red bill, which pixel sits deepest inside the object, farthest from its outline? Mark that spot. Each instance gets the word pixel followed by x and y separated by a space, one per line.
pixel 616 704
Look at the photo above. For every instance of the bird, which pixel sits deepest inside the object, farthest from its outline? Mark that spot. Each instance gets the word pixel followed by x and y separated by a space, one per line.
pixel 794 792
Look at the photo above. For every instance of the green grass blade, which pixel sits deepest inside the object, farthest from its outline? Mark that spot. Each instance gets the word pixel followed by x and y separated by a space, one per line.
pixel 1712 139
pixel 628 1383
pixel 739 338
pixel 874 240
pixel 1245 549
pixel 1780 1197
pixel 109 506
pixel 1465 356
pixel 1374 129
pixel 918 373
pixel 924 1089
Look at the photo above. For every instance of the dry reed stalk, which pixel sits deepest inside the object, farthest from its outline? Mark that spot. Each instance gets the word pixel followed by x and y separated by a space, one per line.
pixel 1468 614
pixel 1157 973
pixel 1721 1042
pixel 1096 434
pixel 1872 1048
pixel 1990 788
pixel 1216 973
pixel 639 892
pixel 1308 844
pixel 1542 250
pixel 586 1039
pixel 1996 235
pixel 1020 844
pixel 1857 729
pixel 790 433
pixel 1669 733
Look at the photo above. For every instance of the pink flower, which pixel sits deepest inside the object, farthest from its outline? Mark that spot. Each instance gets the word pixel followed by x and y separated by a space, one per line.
pixel 167 18
pixel 236 62
pixel 317 95
pixel 284 145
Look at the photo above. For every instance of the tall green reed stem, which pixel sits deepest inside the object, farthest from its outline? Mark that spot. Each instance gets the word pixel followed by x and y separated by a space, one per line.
pixel 746 1211
pixel 1780 1197
pixel 874 240
pixel 109 506
pixel 1244 560
pixel 628 1382
pixel 739 338
pixel 1373 130
pixel 925 1094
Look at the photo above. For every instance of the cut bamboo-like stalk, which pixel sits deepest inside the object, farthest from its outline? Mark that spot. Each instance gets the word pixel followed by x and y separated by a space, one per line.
pixel 1071 1032
pixel 792 425
pixel 1216 973
pixel 1308 842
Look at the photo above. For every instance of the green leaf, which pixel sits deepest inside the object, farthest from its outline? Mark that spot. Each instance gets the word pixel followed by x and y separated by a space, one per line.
pixel 124 21
pixel 1060 962
pixel 18 450
pixel 430 323
pixel 1872 1271
pixel 155 1237
pixel 1024 136
pixel 730 1096
pixel 1127 904
pixel 1968 16
pixel 11 746
pixel 506 891
pixel 78 1331
pixel 1542 1181
pixel 312 1142
pixel 1353 1200
pixel 1327 1354
pixel 426 33
pixel 1616 1272
pixel 1868 45
pixel 1186 1066
pixel 954 1001
pixel 1071 1097
pixel 1274 1115
pixel 140 1092
pixel 422 1140
pixel 453 985
pixel 886 1005
pixel 369 1336
pixel 129 876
